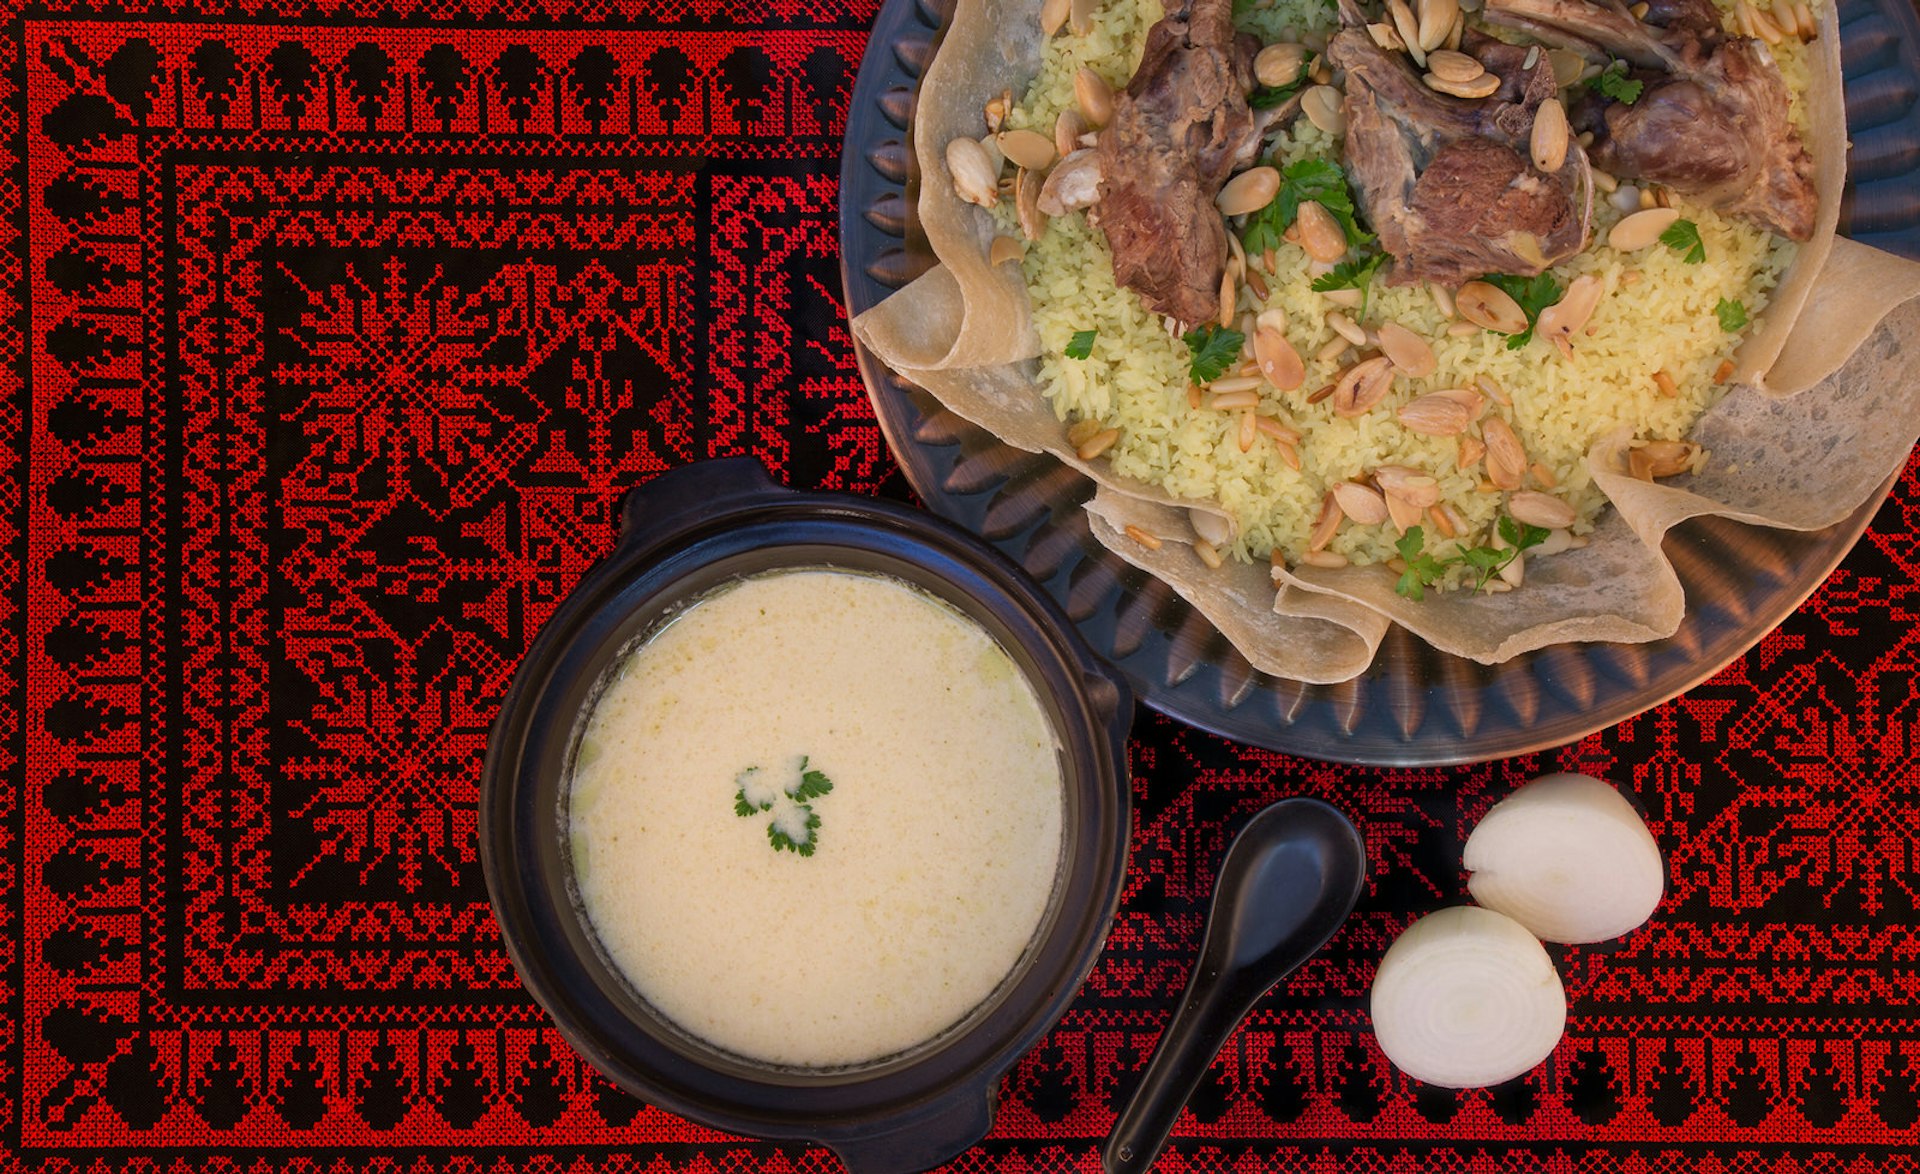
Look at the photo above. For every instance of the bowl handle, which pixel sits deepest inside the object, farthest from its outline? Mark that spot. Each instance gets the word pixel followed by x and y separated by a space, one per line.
pixel 690 494
pixel 922 1143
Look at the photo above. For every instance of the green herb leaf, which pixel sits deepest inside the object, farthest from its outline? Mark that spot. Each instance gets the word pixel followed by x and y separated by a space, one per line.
pixel 1307 179
pixel 751 794
pixel 813 784
pixel 1683 236
pixel 1352 275
pixel 1423 570
pixel 1613 82
pixel 1732 314
pixel 1081 344
pixel 1521 535
pixel 1534 295
pixel 1267 97
pixel 798 832
pixel 1214 350
pixel 1325 183
pixel 794 825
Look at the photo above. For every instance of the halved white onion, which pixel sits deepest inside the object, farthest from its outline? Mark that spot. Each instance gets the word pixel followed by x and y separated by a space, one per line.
pixel 1569 858
pixel 1467 997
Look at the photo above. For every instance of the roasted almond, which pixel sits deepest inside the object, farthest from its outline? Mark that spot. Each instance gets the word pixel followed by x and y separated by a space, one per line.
pixel 1436 19
pixel 1669 458
pixel 1210 526
pixel 1027 148
pixel 1080 16
pixel 1362 386
pixel 1280 65
pixel 1480 87
pixel 1641 229
pixel 976 177
pixel 1279 362
pixel 1560 322
pixel 1073 183
pixel 1093 96
pixel 1386 36
pixel 1540 509
pixel 1004 249
pixel 1250 191
pixel 1067 130
pixel 1408 26
pixel 1454 67
pixel 1327 524
pixel 1320 234
pixel 1410 485
pixel 1489 306
pixel 1548 141
pixel 1053 16
pixel 1321 105
pixel 1403 513
pixel 1409 352
pixel 1506 457
pixel 1440 413
pixel 1361 503
pixel 1026 203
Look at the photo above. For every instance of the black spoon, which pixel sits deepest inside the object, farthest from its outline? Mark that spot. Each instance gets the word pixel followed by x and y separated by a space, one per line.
pixel 1290 878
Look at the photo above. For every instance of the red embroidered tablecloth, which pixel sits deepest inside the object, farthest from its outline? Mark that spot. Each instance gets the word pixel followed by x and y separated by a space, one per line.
pixel 334 335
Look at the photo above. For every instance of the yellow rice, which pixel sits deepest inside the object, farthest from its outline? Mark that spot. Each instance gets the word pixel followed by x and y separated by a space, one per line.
pixel 1136 379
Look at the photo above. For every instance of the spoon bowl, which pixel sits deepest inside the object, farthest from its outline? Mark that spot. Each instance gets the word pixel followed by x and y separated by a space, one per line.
pixel 1289 880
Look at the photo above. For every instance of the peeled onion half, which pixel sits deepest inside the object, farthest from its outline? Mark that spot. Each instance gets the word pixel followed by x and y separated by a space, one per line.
pixel 1467 997
pixel 1567 857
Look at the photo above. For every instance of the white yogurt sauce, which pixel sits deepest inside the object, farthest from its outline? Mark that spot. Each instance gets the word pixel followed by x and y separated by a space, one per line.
pixel 935 851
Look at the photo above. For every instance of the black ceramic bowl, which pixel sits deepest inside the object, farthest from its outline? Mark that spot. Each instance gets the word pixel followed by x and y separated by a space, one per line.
pixel 686 533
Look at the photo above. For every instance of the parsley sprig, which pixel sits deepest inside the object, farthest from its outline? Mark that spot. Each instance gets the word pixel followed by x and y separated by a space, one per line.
pixel 1534 295
pixel 1732 314
pixel 1613 82
pixel 795 825
pixel 1683 236
pixel 1081 344
pixel 1214 350
pixel 1424 570
pixel 1307 179
pixel 1356 274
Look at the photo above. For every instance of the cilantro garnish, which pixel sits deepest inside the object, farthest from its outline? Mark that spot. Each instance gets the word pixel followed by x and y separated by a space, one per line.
pixel 1352 275
pixel 1613 82
pixel 1214 350
pixel 795 825
pixel 1534 295
pixel 1732 314
pixel 1081 345
pixel 1683 236
pixel 1307 179
pixel 1424 570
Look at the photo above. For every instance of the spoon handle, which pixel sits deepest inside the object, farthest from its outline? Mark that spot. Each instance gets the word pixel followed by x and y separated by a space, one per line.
pixel 1207 1015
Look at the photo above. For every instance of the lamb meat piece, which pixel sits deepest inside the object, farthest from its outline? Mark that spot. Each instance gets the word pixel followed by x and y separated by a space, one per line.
pixel 1711 118
pixel 1446 182
pixel 1176 133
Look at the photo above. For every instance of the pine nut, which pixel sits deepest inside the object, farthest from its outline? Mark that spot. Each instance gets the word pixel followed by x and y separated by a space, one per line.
pixel 1098 443
pixel 1143 538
